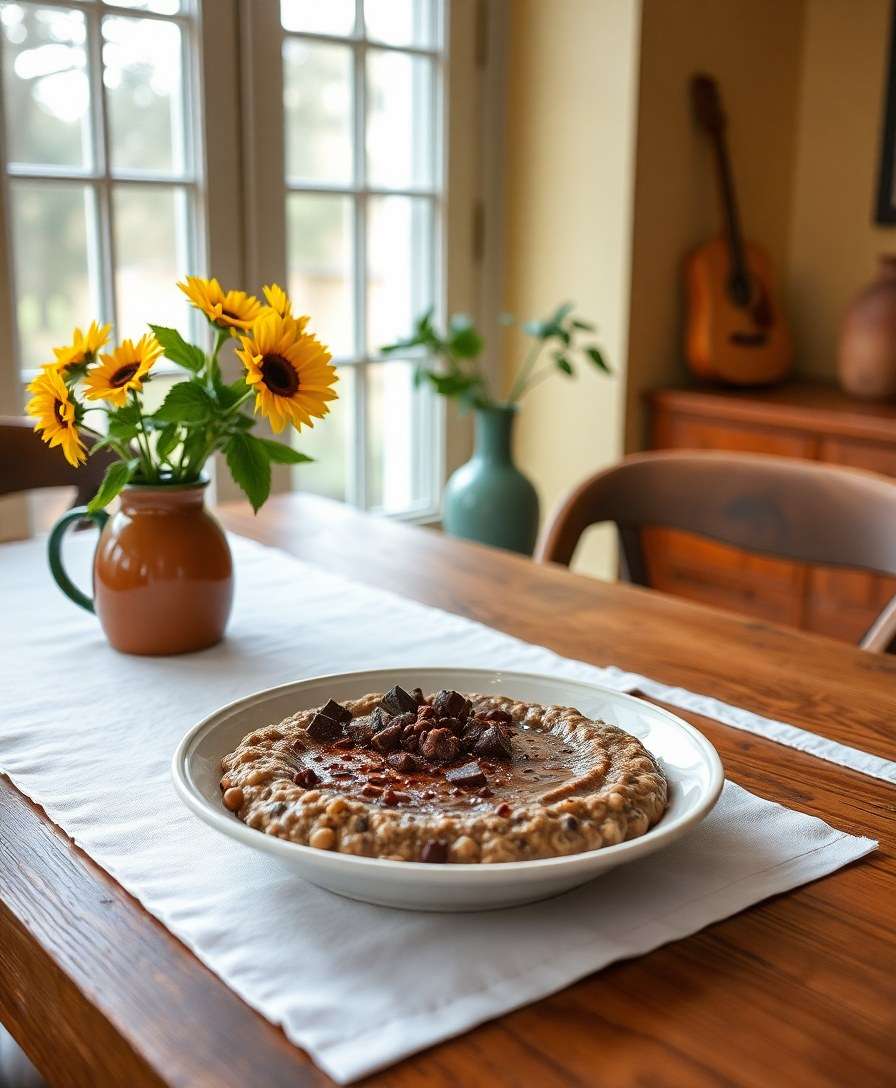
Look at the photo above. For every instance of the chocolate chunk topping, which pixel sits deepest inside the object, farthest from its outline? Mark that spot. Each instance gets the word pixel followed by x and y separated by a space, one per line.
pixel 451 704
pixel 404 762
pixel 494 744
pixel 498 716
pixel 419 696
pixel 404 720
pixel 361 731
pixel 440 744
pixel 323 728
pixel 337 712
pixel 398 701
pixel 380 718
pixel 388 739
pixel 434 852
pixel 305 777
pixel 469 774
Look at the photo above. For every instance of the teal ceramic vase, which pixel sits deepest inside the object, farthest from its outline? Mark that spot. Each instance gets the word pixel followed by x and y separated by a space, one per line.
pixel 488 499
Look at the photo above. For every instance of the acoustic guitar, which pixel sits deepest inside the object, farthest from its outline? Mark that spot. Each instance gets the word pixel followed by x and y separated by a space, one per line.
pixel 735 331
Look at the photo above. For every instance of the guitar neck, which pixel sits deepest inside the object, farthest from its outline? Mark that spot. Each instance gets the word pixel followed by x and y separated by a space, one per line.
pixel 739 285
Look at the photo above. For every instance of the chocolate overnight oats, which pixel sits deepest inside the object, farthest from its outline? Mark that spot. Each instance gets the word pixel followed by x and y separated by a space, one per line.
pixel 444 778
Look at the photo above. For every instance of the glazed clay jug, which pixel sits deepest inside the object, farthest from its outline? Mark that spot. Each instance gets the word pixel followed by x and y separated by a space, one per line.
pixel 162 572
pixel 867 358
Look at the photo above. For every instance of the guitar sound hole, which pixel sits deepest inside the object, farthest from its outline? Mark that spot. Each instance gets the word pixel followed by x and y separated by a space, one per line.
pixel 748 339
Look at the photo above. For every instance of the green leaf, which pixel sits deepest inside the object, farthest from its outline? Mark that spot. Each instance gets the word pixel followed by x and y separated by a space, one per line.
pixel 564 364
pixel 228 395
pixel 585 326
pixel 166 441
pixel 241 422
pixel 595 356
pixel 250 466
pixel 464 342
pixel 562 313
pixel 282 454
pixel 187 402
pixel 178 350
pixel 117 475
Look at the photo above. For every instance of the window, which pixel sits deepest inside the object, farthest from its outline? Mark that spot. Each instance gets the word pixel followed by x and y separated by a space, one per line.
pixel 323 167
pixel 101 163
pixel 362 92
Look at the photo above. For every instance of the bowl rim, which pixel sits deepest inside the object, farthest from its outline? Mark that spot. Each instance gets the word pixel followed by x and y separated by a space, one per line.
pixel 224 821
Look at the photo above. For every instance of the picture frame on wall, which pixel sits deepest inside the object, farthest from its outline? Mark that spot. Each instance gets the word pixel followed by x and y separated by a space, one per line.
pixel 885 209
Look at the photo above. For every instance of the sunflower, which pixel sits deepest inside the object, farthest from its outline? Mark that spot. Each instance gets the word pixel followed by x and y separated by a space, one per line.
pixel 225 310
pixel 290 370
pixel 53 409
pixel 122 371
pixel 280 303
pixel 83 347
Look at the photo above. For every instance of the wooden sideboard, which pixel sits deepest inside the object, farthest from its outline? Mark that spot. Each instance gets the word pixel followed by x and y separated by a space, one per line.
pixel 801 419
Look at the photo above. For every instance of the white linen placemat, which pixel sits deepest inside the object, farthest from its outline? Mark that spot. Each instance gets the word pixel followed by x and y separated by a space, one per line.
pixel 88 733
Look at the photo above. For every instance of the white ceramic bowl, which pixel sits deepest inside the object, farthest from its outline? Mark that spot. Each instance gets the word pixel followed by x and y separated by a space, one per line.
pixel 690 762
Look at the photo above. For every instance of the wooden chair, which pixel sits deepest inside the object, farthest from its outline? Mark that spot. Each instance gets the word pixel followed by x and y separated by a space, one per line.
pixel 27 463
pixel 777 506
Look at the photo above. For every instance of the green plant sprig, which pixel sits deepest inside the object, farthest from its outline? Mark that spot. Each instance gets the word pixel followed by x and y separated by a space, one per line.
pixel 458 351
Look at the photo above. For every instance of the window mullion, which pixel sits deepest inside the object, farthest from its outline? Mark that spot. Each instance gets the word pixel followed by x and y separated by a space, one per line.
pixel 357 483
pixel 104 239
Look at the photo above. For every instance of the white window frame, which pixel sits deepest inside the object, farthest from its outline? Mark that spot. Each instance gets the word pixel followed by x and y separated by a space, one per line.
pixel 99 176
pixel 235 92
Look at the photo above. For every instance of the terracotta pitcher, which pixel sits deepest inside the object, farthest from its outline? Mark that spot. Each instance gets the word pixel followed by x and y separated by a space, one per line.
pixel 162 572
pixel 867 359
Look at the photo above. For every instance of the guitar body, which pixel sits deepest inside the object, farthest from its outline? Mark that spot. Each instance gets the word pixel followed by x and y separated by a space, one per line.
pixel 735 330
pixel 738 343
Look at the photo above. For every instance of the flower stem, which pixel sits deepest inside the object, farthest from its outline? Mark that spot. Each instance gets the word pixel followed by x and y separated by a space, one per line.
pixel 520 382
pixel 146 453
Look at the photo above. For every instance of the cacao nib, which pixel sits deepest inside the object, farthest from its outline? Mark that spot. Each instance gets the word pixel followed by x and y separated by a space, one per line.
pixel 323 728
pixel 404 720
pixel 398 701
pixel 419 697
pixel 453 724
pixel 498 716
pixel 440 744
pixel 434 852
pixel 305 777
pixel 344 744
pixel 360 730
pixel 472 732
pixel 503 810
pixel 469 774
pixel 494 744
pixel 425 712
pixel 337 712
pixel 388 739
pixel 404 762
pixel 451 704
pixel 393 797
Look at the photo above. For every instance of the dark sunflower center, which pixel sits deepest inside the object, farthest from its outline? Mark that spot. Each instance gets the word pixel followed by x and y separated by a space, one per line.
pixel 57 411
pixel 123 375
pixel 279 376
pixel 230 314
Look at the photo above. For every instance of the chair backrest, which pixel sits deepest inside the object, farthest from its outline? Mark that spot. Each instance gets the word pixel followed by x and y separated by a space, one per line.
pixel 800 510
pixel 27 463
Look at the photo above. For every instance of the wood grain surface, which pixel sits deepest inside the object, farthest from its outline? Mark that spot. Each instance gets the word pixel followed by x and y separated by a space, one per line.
pixel 800 990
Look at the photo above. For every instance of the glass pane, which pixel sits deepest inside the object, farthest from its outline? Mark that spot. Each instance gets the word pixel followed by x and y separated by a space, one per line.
pixel 51 225
pixel 163 7
pixel 330 443
pixel 150 243
pixel 399 438
pixel 144 92
pixel 318 16
pixel 400 266
pixel 319 260
pixel 45 85
pixel 400 140
pixel 402 22
pixel 317 110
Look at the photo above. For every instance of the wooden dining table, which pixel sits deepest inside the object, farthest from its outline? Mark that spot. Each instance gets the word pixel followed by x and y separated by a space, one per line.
pixel 798 990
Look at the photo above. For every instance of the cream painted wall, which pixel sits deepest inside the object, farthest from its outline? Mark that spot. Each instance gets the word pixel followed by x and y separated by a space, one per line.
pixel 753 48
pixel 569 139
pixel 833 243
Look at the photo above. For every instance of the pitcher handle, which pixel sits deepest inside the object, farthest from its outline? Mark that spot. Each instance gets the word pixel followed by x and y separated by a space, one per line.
pixel 54 550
